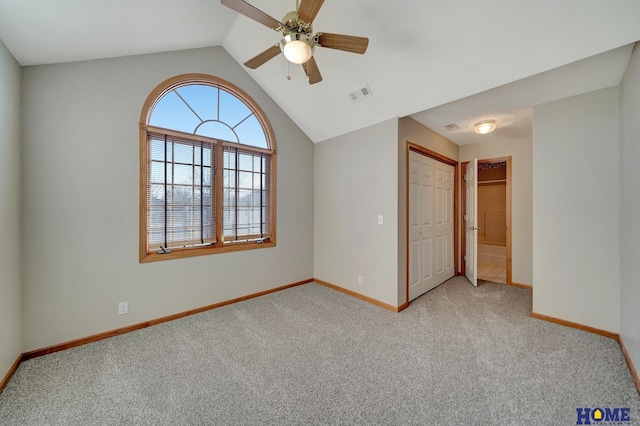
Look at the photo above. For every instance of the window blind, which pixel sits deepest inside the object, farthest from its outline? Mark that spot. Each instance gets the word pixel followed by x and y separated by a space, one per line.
pixel 245 194
pixel 180 188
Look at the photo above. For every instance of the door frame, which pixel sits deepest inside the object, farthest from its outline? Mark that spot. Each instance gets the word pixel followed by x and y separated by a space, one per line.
pixel 411 146
pixel 507 208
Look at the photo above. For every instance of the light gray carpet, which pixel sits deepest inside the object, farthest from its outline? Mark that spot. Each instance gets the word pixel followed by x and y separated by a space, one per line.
pixel 310 355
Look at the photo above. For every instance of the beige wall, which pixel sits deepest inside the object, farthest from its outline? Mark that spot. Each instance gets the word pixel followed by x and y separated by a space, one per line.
pixel 630 207
pixel 492 199
pixel 80 182
pixel 10 174
pixel 355 181
pixel 410 130
pixel 576 205
pixel 519 149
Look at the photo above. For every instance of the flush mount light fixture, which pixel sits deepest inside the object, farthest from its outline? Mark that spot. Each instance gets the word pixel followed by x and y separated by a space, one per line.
pixel 485 126
pixel 297 47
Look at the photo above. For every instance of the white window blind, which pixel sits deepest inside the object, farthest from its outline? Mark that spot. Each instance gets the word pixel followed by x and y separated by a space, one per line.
pixel 180 184
pixel 245 194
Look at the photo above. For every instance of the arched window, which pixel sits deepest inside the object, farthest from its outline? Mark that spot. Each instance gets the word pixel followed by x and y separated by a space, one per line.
pixel 207 175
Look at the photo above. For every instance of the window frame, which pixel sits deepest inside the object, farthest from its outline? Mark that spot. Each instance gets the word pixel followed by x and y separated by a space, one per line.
pixel 146 255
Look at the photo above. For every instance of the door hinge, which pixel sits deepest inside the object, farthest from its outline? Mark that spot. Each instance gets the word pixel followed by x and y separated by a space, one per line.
pixel 464 176
pixel 465 217
pixel 465 257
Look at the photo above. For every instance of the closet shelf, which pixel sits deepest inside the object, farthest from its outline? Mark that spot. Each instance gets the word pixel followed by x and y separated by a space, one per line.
pixel 492 181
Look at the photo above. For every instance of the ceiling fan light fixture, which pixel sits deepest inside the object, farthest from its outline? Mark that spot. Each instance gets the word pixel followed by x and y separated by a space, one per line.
pixel 485 126
pixel 297 48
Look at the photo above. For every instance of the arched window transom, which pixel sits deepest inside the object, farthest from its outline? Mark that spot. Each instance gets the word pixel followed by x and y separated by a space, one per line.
pixel 209 110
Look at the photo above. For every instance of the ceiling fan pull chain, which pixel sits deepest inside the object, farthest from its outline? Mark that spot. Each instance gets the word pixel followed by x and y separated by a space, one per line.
pixel 288 70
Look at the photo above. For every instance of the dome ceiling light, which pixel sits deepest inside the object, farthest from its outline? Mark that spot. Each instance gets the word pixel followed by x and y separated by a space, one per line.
pixel 485 126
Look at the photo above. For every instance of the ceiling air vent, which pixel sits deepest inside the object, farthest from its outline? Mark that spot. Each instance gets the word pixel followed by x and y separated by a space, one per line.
pixel 452 127
pixel 360 93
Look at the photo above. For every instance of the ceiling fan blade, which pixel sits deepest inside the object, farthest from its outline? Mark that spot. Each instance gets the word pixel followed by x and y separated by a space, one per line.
pixel 249 11
pixel 347 43
pixel 312 71
pixel 309 9
pixel 263 57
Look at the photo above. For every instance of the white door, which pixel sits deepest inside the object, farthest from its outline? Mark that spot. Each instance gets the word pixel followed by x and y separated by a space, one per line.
pixel 471 222
pixel 431 223
pixel 421 181
pixel 444 221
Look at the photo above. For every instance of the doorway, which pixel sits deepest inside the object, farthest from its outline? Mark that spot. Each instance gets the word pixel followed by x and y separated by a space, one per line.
pixel 431 220
pixel 494 220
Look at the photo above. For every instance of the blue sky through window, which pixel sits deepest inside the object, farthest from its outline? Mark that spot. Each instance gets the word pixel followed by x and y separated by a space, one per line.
pixel 208 111
pixel 203 99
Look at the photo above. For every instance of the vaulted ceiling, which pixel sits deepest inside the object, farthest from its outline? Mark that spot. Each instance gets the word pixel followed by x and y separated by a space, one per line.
pixel 426 58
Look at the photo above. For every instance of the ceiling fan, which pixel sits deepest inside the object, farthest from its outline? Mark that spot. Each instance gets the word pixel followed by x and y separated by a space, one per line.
pixel 298 40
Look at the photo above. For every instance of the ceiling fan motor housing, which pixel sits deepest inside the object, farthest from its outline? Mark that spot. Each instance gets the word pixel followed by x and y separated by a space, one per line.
pixel 297 32
pixel 291 23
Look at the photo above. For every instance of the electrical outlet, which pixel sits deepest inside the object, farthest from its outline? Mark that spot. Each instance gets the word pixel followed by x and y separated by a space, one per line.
pixel 360 279
pixel 380 219
pixel 123 308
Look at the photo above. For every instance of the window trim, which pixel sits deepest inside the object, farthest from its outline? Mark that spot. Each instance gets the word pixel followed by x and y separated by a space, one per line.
pixel 154 97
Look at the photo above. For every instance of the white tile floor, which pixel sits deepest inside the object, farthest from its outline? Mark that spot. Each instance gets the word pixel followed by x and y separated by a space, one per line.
pixel 495 273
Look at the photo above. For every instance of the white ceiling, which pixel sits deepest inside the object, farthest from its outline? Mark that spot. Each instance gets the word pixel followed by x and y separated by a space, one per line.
pixel 422 53
pixel 52 31
pixel 510 105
